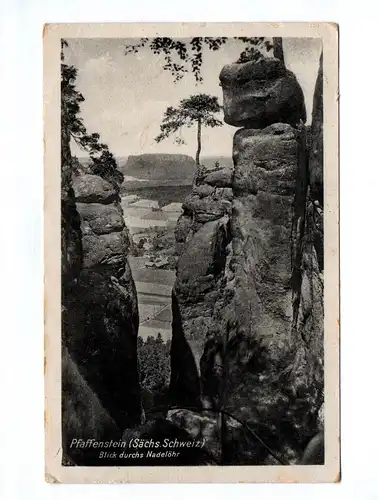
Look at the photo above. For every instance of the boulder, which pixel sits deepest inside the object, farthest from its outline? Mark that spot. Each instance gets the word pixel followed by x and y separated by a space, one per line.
pixel 90 188
pixel 219 178
pixel 206 209
pixel 105 249
pixel 258 94
pixel 203 190
pixel 203 426
pixel 102 219
pixel 105 239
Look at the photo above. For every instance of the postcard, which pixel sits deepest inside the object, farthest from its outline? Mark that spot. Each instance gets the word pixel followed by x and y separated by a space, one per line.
pixel 191 253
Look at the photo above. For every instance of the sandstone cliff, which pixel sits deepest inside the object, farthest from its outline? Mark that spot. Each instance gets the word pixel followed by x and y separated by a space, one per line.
pixel 103 315
pixel 248 299
pixel 100 384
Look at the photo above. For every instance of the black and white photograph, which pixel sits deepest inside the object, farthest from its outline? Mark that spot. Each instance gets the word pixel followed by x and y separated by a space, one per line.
pixel 195 252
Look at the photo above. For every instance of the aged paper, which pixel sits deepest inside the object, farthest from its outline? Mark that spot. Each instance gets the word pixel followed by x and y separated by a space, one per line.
pixel 191 253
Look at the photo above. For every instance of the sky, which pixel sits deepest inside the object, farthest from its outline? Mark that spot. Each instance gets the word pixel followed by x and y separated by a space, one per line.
pixel 126 95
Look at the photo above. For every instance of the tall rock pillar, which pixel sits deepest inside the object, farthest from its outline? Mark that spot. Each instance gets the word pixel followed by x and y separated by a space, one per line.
pixel 243 306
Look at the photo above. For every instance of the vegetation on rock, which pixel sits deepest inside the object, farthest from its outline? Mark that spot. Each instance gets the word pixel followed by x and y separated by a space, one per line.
pixel 182 56
pixel 103 162
pixel 154 371
pixel 199 110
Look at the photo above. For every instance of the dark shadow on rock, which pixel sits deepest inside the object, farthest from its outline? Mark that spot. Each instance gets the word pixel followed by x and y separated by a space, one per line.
pixel 99 334
pixel 258 392
pixel 84 419
pixel 314 452
pixel 316 151
pixel 185 386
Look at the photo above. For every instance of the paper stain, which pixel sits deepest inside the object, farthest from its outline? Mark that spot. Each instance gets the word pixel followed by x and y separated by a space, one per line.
pixel 44 30
pixel 49 478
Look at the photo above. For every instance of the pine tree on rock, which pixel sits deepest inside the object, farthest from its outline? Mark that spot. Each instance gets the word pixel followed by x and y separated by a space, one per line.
pixel 197 110
pixel 103 162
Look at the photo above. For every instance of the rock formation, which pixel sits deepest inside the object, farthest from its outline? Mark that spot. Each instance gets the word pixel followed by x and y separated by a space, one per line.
pixel 248 299
pixel 259 94
pixel 316 151
pixel 83 415
pixel 71 249
pixel 103 315
pixel 100 382
pixel 101 397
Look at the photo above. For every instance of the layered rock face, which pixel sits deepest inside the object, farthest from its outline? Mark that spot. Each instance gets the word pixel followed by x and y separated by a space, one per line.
pixel 103 315
pixel 104 234
pixel 248 299
pixel 100 382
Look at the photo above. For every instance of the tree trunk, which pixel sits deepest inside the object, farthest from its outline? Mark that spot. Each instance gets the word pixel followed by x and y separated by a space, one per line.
pixel 197 174
pixel 278 49
pixel 198 143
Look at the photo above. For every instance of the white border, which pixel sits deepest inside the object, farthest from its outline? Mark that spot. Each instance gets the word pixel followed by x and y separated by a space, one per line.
pixel 329 472
pixel 22 456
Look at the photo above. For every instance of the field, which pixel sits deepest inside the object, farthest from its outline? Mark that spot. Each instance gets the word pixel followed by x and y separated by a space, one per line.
pixel 163 194
pixel 154 239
